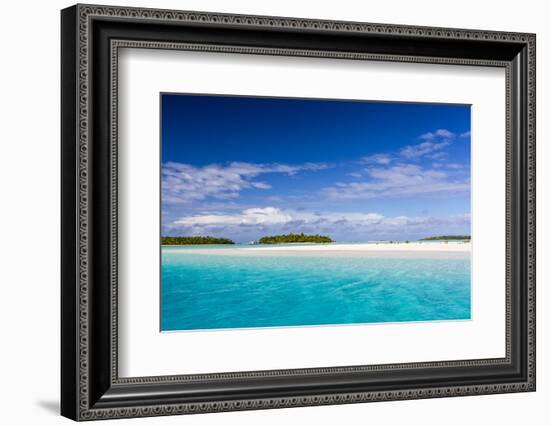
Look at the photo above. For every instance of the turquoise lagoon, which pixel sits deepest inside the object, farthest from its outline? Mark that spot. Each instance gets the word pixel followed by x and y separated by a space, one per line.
pixel 210 287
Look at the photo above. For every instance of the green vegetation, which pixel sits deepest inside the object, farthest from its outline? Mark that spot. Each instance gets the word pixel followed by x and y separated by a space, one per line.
pixel 179 241
pixel 295 238
pixel 447 238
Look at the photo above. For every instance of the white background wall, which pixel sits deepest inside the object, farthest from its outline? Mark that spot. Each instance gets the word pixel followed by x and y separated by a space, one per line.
pixel 29 211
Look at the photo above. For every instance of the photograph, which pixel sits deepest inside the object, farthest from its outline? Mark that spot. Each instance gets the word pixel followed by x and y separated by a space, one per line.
pixel 287 212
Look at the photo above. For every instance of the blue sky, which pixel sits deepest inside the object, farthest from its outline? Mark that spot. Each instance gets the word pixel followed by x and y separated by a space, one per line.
pixel 244 167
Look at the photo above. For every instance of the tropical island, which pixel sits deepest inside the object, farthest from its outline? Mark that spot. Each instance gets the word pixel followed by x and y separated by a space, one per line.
pixel 448 238
pixel 295 238
pixel 180 241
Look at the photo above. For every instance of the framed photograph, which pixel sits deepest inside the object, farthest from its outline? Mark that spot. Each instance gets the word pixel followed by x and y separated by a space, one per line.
pixel 263 212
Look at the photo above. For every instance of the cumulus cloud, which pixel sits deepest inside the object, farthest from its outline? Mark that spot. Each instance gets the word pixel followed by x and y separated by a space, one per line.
pixel 255 222
pixel 398 181
pixel 254 216
pixel 273 215
pixel 183 183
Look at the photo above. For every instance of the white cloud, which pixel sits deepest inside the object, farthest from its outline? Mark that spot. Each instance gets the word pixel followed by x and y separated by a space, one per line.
pixel 183 183
pixel 414 151
pixel 461 219
pixel 254 216
pixel 455 166
pixel 433 142
pixel 377 159
pixel 439 155
pixel 255 222
pixel 450 166
pixel 398 181
pixel 261 185
pixel 439 133
pixel 273 215
pixel 432 146
pixel 400 175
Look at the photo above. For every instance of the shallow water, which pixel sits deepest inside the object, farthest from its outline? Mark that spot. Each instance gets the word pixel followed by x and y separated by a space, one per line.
pixel 209 291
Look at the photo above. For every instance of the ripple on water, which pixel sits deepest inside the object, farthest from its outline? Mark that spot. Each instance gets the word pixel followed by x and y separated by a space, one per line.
pixel 224 291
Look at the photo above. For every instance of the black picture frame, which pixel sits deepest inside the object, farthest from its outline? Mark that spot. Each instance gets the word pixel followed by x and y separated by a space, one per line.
pixel 90 386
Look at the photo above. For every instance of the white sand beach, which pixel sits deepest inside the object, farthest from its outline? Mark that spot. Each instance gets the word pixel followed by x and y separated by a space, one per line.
pixel 382 249
pixel 382 246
